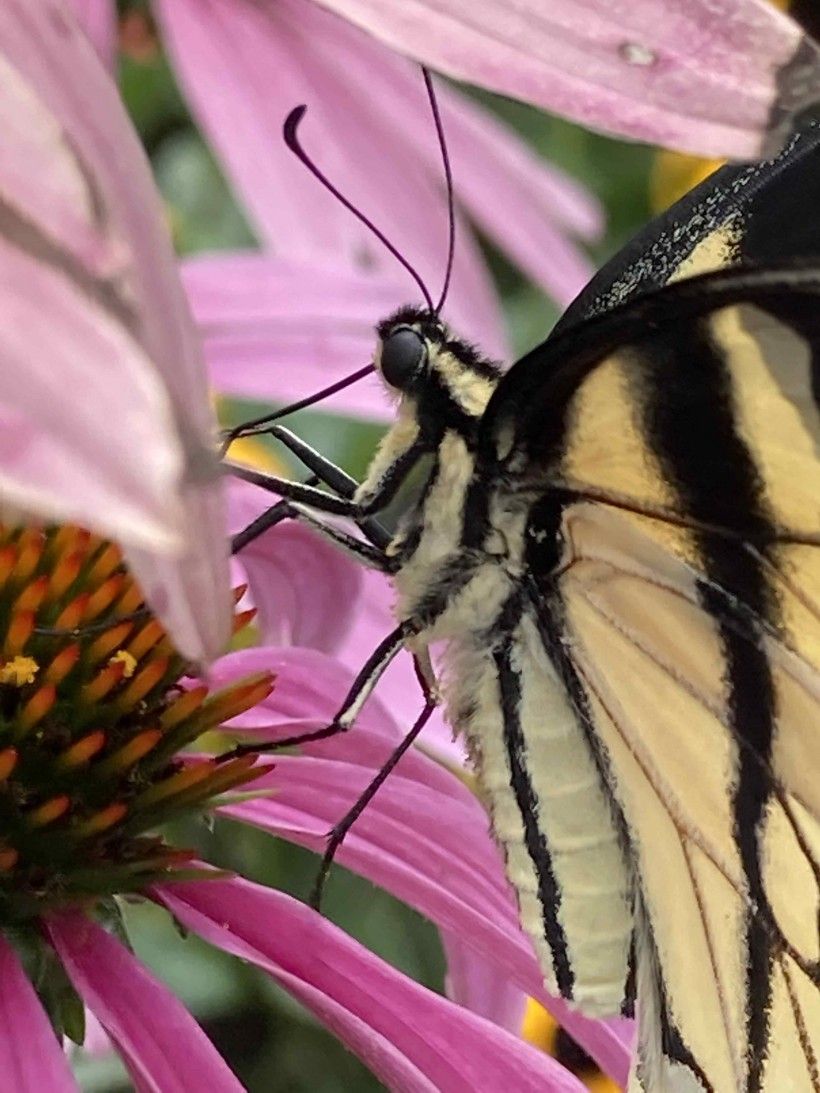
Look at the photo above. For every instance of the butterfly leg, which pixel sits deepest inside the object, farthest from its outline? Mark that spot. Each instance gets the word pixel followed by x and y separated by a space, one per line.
pixel 361 689
pixel 329 474
pixel 339 831
pixel 364 552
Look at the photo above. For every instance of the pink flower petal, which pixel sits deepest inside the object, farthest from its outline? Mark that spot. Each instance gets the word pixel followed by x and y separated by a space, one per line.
pixel 105 235
pixel 411 1038
pixel 76 458
pixel 309 688
pixel 280 330
pixel 159 1040
pixel 481 986
pixel 98 18
pixel 297 580
pixel 224 53
pixel 701 77
pixel 524 205
pixel 31 1059
pixel 424 838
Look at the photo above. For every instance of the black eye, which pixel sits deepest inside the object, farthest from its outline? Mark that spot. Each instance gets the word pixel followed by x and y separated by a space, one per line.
pixel 403 357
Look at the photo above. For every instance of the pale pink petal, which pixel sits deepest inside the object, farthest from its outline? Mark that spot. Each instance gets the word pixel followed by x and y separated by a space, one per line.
pixel 98 18
pixel 97 1042
pixel 410 1037
pixel 160 1041
pixel 31 1058
pixel 368 116
pixel 424 837
pixel 298 581
pixel 107 237
pixel 522 204
pixel 107 456
pixel 481 985
pixel 279 330
pixel 704 77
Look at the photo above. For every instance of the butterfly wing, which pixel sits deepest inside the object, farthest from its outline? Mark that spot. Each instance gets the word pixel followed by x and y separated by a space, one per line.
pixel 674 451
pixel 742 215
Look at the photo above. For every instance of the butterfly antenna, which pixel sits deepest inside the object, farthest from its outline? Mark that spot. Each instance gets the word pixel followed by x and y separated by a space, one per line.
pixel 292 141
pixel 448 175
pixel 248 428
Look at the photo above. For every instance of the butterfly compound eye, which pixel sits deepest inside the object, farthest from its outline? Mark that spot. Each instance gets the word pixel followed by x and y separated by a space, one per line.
pixel 403 357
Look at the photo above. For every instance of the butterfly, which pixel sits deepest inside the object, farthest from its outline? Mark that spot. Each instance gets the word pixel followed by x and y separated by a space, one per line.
pixel 618 542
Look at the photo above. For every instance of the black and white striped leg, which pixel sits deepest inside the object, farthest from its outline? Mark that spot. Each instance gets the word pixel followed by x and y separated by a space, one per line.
pixel 329 474
pixel 358 694
pixel 364 553
pixel 339 831
pixel 337 834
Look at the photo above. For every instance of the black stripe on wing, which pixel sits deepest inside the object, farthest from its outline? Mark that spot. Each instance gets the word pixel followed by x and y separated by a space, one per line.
pixel 709 465
pixel 523 431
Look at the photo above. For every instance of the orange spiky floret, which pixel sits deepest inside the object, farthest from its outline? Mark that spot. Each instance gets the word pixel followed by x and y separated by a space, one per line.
pixel 93 719
pixel 37 707
pixel 103 596
pixel 108 641
pixel 8 761
pixel 82 752
pixel 145 639
pixel 64 574
pixel 62 663
pixel 18 633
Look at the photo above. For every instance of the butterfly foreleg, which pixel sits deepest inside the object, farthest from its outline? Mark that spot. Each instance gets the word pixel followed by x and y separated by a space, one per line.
pixel 327 472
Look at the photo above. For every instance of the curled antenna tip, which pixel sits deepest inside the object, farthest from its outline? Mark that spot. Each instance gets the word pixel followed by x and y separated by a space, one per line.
pixel 292 123
pixel 292 141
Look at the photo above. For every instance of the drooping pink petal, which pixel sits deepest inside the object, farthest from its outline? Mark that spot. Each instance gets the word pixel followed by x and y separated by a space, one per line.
pixel 95 221
pixel 161 1043
pixel 31 1058
pixel 410 1037
pixel 279 330
pixel 297 579
pixel 243 67
pixel 705 77
pixel 98 18
pixel 481 986
pixel 424 837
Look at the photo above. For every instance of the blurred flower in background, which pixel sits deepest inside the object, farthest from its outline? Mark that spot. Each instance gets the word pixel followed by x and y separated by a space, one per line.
pixel 287 305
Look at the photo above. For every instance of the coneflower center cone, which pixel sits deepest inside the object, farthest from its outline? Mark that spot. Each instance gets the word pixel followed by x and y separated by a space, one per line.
pixel 95 707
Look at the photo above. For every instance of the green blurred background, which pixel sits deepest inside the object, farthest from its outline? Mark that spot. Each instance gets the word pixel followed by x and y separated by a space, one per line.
pixel 273 1046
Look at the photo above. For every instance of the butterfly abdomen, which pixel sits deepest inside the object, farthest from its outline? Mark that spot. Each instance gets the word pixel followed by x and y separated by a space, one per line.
pixel 550 813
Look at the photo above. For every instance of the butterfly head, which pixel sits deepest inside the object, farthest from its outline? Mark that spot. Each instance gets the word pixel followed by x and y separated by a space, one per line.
pixel 418 357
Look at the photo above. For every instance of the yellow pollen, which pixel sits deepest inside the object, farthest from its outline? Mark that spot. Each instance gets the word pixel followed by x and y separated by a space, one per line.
pixel 19 670
pixel 122 656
